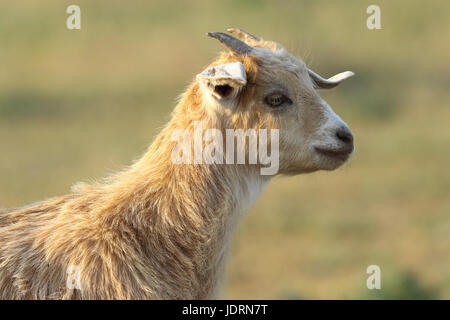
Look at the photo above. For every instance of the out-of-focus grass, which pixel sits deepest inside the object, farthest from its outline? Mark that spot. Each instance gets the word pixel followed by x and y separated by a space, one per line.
pixel 75 105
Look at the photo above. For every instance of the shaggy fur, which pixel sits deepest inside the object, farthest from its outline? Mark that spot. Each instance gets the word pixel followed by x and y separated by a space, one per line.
pixel 159 230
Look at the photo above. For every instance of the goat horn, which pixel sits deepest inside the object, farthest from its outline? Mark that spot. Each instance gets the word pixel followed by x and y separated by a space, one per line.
pixel 322 83
pixel 231 43
pixel 242 34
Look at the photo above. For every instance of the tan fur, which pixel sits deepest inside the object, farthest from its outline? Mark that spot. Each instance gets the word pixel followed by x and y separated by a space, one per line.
pixel 159 230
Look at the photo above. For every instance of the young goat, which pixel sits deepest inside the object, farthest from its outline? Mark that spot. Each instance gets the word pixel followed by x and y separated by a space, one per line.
pixel 161 229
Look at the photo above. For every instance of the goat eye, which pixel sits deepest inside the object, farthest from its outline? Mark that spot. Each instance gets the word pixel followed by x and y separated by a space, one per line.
pixel 276 100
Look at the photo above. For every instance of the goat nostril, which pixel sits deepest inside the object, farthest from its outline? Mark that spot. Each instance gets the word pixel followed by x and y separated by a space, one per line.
pixel 344 135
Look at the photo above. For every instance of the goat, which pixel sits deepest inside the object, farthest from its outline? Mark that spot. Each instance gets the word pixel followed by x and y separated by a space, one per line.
pixel 159 229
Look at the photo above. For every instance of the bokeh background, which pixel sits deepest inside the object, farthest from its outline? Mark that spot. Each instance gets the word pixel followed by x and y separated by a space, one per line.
pixel 76 105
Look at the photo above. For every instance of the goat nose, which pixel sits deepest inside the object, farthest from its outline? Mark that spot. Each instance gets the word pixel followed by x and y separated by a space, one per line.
pixel 344 135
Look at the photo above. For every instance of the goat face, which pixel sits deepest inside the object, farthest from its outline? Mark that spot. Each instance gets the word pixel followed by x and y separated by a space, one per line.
pixel 258 84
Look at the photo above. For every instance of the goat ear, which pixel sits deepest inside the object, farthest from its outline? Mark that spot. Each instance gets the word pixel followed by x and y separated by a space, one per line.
pixel 224 80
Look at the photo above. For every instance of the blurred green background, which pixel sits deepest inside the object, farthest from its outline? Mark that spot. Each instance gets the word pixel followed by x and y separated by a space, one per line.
pixel 76 105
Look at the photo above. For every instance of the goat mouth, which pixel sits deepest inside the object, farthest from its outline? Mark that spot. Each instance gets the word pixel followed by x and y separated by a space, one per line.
pixel 341 154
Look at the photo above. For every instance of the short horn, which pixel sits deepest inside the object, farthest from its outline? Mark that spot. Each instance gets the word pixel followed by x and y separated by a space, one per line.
pixel 322 83
pixel 243 35
pixel 231 43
